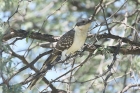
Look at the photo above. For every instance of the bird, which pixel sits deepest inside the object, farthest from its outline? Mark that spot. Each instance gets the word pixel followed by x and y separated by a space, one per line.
pixel 68 44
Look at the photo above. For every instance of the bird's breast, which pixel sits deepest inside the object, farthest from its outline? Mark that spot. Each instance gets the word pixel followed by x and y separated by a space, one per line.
pixel 78 42
pixel 77 45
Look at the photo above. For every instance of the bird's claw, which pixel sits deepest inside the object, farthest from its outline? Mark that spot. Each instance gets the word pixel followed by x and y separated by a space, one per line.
pixel 49 66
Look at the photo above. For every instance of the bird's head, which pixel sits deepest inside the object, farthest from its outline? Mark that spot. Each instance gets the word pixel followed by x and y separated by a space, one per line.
pixel 83 24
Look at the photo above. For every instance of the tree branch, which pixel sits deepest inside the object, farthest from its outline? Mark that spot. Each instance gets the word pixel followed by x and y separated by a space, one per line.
pixel 33 35
pixel 51 38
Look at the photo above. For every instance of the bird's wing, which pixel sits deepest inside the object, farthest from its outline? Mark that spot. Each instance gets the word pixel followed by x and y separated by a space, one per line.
pixel 64 42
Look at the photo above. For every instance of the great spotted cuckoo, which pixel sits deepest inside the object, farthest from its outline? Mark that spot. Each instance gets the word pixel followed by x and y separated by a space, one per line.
pixel 69 43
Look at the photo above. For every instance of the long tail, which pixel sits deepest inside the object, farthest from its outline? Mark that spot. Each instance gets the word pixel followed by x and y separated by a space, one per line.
pixel 43 70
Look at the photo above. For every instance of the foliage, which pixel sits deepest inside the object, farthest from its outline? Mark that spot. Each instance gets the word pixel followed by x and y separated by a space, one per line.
pixel 112 64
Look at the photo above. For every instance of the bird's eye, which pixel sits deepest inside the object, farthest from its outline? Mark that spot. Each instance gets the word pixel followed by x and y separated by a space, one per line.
pixel 83 21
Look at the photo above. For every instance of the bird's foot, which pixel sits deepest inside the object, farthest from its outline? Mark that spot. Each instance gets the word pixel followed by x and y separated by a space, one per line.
pixel 49 66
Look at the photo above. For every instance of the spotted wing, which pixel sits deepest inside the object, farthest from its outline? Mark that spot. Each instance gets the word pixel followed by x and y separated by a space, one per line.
pixel 64 42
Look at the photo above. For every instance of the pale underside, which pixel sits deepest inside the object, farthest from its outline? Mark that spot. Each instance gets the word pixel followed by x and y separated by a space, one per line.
pixel 79 40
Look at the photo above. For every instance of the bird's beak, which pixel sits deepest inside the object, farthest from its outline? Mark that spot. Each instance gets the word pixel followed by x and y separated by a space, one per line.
pixel 89 20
